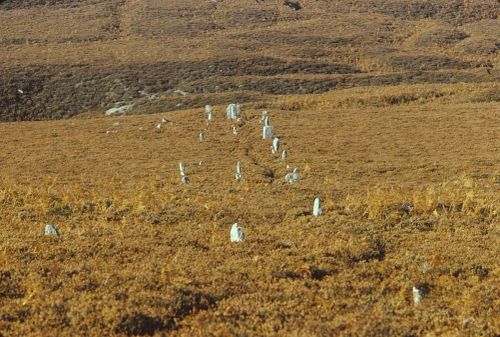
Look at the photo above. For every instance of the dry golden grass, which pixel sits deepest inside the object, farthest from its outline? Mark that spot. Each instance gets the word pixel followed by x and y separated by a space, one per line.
pixel 398 135
pixel 410 194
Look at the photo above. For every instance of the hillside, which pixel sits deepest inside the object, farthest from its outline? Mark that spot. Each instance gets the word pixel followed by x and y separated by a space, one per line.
pixel 63 58
pixel 389 112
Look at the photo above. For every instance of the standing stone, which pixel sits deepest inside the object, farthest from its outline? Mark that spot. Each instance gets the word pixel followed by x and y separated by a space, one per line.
pixel 235 131
pixel 50 230
pixel 201 136
pixel 237 234
pixel 182 168
pixel 276 145
pixel 417 295
pixel 284 154
pixel 317 211
pixel 233 111
pixel 209 111
pixel 265 116
pixel 267 132
pixel 238 175
pixel 266 121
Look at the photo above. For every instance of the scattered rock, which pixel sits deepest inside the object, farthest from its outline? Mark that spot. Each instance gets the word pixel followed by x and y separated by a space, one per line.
pixel 121 110
pixel 237 234
pixel 50 230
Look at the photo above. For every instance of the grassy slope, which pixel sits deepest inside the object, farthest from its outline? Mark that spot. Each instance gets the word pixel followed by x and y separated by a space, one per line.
pixel 91 55
pixel 159 260
pixel 416 122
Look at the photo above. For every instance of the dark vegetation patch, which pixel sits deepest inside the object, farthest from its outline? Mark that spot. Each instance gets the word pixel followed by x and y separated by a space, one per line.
pixel 43 92
pixel 456 11
pixel 423 62
pixel 280 85
pixel 56 92
pixel 16 4
pixel 185 303
pixel 283 38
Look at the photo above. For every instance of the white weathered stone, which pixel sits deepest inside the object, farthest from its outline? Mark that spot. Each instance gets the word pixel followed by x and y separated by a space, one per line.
pixel 267 132
pixel 276 145
pixel 182 168
pixel 417 295
pixel 50 230
pixel 265 116
pixel 234 130
pixel 121 110
pixel 238 175
pixel 266 121
pixel 317 211
pixel 181 92
pixel 237 234
pixel 201 136
pixel 233 111
pixel 284 154
pixel 292 177
pixel 209 111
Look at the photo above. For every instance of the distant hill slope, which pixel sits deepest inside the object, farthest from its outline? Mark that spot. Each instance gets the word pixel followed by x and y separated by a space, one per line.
pixel 61 58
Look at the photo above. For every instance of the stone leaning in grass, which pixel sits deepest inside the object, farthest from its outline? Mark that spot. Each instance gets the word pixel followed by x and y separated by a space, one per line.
pixel 237 234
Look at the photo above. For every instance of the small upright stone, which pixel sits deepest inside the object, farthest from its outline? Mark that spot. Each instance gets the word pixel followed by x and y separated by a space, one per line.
pixel 201 136
pixel 234 130
pixel 237 234
pixel 265 115
pixel 182 169
pixel 267 132
pixel 276 145
pixel 417 295
pixel 317 211
pixel 209 111
pixel 233 111
pixel 284 154
pixel 238 175
pixel 50 230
